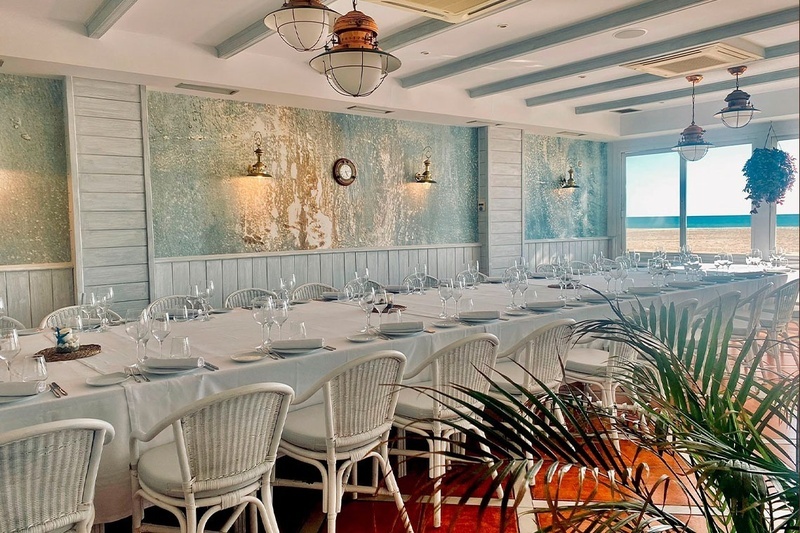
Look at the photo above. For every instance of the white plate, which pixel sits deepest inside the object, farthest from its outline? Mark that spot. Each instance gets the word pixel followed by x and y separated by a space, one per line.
pixel 12 399
pixel 401 333
pixel 685 284
pixel 220 311
pixel 361 337
pixel 545 306
pixel 166 371
pixel 29 331
pixel 477 320
pixel 295 351
pixel 107 379
pixel 644 291
pixel 248 357
pixel 293 302
pixel 446 324
pixel 516 312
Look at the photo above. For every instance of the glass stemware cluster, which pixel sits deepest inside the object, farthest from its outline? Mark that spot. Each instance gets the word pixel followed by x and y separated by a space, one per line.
pixel 200 298
pixel 515 279
pixel 9 347
pixel 137 326
pixel 450 288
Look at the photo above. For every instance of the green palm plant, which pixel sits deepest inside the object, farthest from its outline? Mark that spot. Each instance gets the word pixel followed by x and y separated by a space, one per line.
pixel 701 415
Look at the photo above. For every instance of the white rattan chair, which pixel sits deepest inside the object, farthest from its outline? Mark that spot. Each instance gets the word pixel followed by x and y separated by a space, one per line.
pixel 223 454
pixel 243 297
pixel 8 322
pixel 721 308
pixel 60 315
pixel 684 307
pixel 538 355
pixel 601 368
pixel 175 301
pixel 464 362
pixel 48 474
pixel 429 282
pixel 310 291
pixel 352 423
pixel 748 316
pixel 775 319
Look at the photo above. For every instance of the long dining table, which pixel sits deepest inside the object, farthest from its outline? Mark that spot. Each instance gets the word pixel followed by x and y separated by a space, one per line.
pixel 131 405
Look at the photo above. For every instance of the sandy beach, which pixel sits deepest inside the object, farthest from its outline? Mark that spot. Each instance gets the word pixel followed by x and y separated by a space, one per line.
pixel 711 240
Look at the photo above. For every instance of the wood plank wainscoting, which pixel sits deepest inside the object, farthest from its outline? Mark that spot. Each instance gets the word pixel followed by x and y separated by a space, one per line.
pixel 33 291
pixel 580 249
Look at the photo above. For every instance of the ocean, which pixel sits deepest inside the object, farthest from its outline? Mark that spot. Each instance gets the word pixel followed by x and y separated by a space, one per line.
pixel 706 221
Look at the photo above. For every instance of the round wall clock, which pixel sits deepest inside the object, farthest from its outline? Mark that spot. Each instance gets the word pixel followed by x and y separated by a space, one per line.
pixel 344 172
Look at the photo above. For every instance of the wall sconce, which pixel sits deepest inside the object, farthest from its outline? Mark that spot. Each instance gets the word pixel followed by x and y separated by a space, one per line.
pixel 258 168
pixel 426 176
pixel 568 183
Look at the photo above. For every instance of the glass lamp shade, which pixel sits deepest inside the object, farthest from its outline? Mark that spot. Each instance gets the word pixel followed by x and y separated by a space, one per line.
pixel 302 24
pixel 692 147
pixel 355 72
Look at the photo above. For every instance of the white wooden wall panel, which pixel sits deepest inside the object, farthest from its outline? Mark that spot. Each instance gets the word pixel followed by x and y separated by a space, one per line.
pixel 542 251
pixel 107 162
pixel 33 291
pixel 334 267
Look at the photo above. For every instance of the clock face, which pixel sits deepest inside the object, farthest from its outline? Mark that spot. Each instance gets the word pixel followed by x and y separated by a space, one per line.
pixel 344 172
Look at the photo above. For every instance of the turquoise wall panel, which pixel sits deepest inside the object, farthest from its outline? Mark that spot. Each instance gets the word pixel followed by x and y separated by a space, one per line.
pixel 554 213
pixel 34 204
pixel 204 204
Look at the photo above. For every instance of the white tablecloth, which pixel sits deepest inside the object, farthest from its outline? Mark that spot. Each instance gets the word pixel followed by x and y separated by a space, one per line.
pixel 140 405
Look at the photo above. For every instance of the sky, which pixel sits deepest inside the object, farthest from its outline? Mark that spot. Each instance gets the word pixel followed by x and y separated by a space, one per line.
pixel 714 184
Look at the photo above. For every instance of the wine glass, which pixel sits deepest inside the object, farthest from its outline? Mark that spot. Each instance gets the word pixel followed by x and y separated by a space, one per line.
pixel 160 328
pixel 288 284
pixel 264 315
pixel 511 283
pixel 445 293
pixel 523 288
pixel 457 292
pixel 367 303
pixel 106 299
pixel 606 270
pixel 754 257
pixel 564 279
pixel 281 314
pixel 34 368
pixel 382 303
pixel 472 270
pixel 420 273
pixel 2 307
pixel 138 329
pixel 209 293
pixel 9 347
pixel 576 284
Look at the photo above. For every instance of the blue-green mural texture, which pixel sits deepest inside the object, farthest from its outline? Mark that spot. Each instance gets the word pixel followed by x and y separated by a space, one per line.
pixel 553 213
pixel 33 172
pixel 203 203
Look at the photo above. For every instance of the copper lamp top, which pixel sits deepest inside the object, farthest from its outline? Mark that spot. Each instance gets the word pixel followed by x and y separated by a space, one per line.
pixel 355 30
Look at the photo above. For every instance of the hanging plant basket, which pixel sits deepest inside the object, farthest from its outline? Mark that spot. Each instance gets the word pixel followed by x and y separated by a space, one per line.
pixel 770 172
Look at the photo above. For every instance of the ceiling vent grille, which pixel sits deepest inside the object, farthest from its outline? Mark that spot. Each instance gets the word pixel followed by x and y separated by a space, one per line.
pixel 626 110
pixel 693 60
pixel 570 134
pixel 448 10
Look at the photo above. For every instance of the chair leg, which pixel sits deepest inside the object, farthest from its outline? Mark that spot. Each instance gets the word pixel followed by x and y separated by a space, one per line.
pixel 334 498
pixel 402 465
pixel 391 484
pixel 438 473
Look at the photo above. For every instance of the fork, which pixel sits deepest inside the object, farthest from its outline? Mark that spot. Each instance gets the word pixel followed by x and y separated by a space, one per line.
pixel 129 371
pixel 140 373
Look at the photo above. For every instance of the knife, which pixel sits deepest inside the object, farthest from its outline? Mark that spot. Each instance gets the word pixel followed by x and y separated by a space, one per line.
pixel 211 367
pixel 56 387
pixel 55 391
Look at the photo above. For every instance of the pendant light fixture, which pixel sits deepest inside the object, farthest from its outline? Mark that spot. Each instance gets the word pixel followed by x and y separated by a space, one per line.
pixel 354 65
pixel 692 147
pixel 258 168
pixel 302 24
pixel 739 111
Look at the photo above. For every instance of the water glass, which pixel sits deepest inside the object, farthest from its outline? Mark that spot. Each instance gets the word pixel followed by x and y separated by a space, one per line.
pixel 473 269
pixel 367 303
pixel 34 368
pixel 264 315
pixel 180 348
pixel 457 293
pixel 295 330
pixel 137 326
pixel 9 347
pixel 445 293
pixel 382 302
pixel 754 257
pixel 511 283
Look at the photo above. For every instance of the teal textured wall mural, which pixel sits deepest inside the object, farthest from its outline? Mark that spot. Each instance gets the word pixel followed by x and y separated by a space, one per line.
pixel 33 172
pixel 204 204
pixel 552 213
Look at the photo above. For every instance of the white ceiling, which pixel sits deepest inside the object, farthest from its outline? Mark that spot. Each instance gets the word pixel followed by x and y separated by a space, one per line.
pixel 161 43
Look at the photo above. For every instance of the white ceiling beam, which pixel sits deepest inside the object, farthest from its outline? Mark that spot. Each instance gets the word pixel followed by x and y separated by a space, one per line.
pixel 718 33
pixel 624 17
pixel 772 52
pixel 105 16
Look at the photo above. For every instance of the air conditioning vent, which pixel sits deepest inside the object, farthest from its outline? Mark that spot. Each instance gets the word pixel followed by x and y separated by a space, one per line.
pixel 448 10
pixel 693 60
pixel 483 123
pixel 626 110
pixel 570 134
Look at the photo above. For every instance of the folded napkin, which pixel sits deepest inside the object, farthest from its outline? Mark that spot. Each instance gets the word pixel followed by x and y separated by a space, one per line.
pixel 644 290
pixel 402 327
pixel 685 284
pixel 19 388
pixel 544 304
pixel 396 289
pixel 298 344
pixel 494 279
pixel 333 295
pixel 479 315
pixel 178 362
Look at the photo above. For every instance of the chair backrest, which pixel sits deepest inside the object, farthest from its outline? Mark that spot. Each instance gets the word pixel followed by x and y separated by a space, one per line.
pixel 232 437
pixel 59 316
pixel 8 322
pixel 750 308
pixel 581 267
pixel 244 297
pixel 360 398
pixel 780 303
pixel 429 282
pixel 175 301
pixel 654 323
pixel 464 362
pixel 541 353
pixel 48 474
pixel 371 284
pixel 723 306
pixel 310 291
pixel 621 355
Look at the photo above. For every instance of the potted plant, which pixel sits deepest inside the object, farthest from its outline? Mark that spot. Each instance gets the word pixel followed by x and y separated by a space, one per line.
pixel 715 429
pixel 770 173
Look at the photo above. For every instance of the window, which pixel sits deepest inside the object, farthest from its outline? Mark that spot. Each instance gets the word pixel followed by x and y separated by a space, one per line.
pixel 717 214
pixel 653 202
pixel 787 233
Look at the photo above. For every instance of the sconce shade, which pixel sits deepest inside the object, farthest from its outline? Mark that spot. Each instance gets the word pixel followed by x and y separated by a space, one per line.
pixel 739 111
pixel 426 176
pixel 692 146
pixel 302 24
pixel 258 168
pixel 355 66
